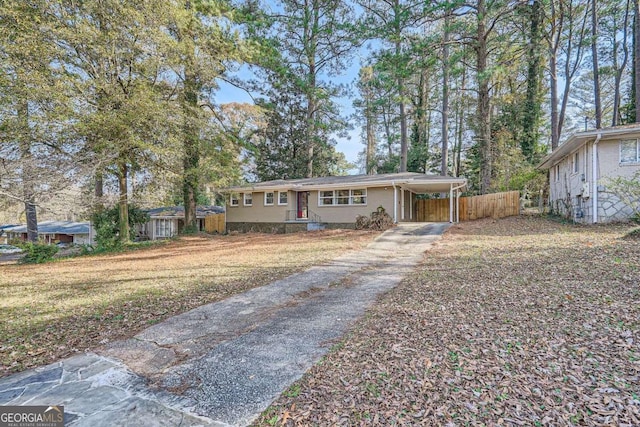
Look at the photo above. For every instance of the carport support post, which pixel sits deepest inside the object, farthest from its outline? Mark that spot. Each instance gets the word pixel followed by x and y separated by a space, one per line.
pixel 451 203
pixel 395 203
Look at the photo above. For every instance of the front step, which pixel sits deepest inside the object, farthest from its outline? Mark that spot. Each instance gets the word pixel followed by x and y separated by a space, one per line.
pixel 316 226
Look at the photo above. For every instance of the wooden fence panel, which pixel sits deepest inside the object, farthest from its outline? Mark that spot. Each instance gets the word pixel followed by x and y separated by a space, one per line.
pixel 496 205
pixel 215 223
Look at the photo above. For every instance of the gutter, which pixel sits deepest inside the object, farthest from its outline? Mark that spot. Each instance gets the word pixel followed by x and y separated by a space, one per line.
pixel 594 175
pixel 395 203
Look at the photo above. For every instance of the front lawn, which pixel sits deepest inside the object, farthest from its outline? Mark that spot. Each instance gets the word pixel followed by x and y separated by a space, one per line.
pixel 521 321
pixel 52 310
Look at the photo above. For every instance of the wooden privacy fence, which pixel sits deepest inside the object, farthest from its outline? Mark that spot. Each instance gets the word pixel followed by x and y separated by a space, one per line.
pixel 215 223
pixel 496 205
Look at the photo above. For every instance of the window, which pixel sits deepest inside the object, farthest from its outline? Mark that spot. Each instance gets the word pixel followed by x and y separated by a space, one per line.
pixel 342 197
pixel 248 199
pixel 268 198
pixel 164 228
pixel 556 174
pixel 233 200
pixel 575 162
pixel 326 198
pixel 630 151
pixel 283 197
pixel 358 197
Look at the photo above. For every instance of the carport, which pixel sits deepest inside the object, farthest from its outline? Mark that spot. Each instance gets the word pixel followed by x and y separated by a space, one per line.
pixel 427 184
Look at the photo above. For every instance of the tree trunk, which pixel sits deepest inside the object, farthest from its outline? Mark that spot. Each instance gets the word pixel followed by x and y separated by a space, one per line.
pixel 444 163
pixel 621 68
pixel 596 70
pixel 531 119
pixel 636 59
pixel 370 166
pixel 28 174
pixel 191 154
pixel 123 202
pixel 484 107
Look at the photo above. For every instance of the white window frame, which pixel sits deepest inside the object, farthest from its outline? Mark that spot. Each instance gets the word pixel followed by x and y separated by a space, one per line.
pixel 246 199
pixel 575 162
pixel 286 198
pixel 164 228
pixel 556 173
pixel 273 198
pixel 637 159
pixel 340 196
pixel 234 201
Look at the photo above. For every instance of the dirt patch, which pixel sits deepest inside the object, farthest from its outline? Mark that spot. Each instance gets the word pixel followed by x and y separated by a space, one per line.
pixel 53 310
pixel 520 321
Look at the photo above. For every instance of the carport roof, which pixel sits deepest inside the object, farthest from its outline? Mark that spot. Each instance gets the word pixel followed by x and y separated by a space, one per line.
pixel 416 182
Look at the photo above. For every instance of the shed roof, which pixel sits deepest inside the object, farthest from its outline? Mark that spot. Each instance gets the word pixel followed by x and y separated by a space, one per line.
pixel 416 182
pixel 172 212
pixel 55 227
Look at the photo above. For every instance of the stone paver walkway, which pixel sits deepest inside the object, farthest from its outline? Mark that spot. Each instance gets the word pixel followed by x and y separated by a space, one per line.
pixel 223 363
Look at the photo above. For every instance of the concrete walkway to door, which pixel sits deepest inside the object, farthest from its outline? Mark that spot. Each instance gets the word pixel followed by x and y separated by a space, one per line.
pixel 223 363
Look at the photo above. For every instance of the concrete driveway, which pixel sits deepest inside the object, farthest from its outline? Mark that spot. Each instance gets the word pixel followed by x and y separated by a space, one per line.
pixel 223 363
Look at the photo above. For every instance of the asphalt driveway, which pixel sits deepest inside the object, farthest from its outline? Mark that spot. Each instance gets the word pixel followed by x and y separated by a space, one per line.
pixel 225 362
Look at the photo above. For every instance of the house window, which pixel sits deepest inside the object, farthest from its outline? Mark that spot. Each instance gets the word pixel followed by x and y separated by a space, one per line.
pixel 358 197
pixel 343 197
pixel 283 197
pixel 248 199
pixel 575 162
pixel 164 228
pixel 556 174
pixel 326 198
pixel 234 201
pixel 268 198
pixel 630 151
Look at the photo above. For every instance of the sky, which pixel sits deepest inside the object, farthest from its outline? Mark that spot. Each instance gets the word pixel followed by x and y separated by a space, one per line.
pixel 350 145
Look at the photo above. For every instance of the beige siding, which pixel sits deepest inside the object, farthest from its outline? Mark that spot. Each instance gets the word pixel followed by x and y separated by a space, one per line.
pixel 259 212
pixel 347 213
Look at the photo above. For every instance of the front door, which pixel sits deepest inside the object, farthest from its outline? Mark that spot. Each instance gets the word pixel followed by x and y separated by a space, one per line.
pixel 303 201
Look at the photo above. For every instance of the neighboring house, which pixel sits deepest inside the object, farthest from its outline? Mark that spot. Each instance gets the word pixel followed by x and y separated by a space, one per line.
pixel 3 233
pixel 169 222
pixel 79 233
pixel 332 202
pixel 579 169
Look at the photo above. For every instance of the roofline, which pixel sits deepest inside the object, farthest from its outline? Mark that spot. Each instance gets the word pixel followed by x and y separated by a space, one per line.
pixel 368 184
pixel 576 140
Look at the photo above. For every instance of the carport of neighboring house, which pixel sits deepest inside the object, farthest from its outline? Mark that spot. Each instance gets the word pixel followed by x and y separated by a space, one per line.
pixel 335 201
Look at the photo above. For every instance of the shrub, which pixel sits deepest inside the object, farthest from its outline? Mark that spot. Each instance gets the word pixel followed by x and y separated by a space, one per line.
pixel 107 228
pixel 37 253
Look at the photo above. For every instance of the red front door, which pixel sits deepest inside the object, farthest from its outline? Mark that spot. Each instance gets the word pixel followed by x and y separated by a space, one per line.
pixel 303 200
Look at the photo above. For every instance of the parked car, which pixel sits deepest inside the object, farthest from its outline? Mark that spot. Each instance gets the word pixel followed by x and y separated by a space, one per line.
pixel 9 249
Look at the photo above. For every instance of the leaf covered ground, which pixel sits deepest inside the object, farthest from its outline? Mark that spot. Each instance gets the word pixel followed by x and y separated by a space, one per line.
pixel 52 310
pixel 520 322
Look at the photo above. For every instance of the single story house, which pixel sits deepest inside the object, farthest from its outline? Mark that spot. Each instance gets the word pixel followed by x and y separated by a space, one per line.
pixel 79 233
pixel 332 202
pixel 3 234
pixel 169 221
pixel 579 169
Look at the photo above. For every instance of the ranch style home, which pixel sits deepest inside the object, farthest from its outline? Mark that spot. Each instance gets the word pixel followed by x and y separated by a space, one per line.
pixel 579 169
pixel 284 206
